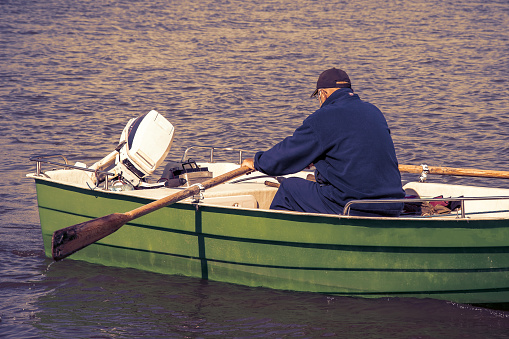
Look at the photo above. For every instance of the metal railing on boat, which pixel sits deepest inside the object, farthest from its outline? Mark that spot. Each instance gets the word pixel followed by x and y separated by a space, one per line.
pixel 212 150
pixel 461 200
pixel 44 159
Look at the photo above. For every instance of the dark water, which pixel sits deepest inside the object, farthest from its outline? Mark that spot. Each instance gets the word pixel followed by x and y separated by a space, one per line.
pixel 234 73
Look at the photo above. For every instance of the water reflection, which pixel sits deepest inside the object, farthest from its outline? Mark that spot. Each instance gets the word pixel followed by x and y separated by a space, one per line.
pixel 93 300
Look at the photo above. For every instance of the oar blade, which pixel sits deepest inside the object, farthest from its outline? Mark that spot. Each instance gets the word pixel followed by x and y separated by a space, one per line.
pixel 68 240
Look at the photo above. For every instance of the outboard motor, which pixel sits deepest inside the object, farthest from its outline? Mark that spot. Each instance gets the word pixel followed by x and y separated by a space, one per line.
pixel 144 144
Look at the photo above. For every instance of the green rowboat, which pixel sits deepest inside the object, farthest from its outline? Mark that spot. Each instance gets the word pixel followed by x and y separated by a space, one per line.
pixel 228 234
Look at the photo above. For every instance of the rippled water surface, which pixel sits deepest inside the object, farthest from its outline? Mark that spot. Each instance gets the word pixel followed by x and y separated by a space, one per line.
pixel 239 74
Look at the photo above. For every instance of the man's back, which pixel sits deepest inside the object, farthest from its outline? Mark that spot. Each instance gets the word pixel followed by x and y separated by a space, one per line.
pixel 357 152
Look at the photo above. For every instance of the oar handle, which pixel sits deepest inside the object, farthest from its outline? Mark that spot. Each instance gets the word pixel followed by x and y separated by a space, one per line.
pixel 271 184
pixel 469 172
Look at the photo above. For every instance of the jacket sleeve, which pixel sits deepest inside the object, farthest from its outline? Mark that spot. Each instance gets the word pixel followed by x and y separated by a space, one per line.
pixel 291 155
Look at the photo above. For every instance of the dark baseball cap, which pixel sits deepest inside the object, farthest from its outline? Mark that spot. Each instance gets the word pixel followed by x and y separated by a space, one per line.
pixel 332 78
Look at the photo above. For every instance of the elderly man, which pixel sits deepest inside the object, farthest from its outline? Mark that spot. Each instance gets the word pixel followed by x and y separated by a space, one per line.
pixel 349 143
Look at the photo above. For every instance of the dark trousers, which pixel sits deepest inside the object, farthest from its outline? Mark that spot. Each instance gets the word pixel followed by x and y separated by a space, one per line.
pixel 300 195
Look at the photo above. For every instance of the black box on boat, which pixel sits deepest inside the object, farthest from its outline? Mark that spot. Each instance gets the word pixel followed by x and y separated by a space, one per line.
pixel 187 173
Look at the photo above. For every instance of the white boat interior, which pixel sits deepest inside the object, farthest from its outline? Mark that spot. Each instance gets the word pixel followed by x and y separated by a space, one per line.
pixel 256 190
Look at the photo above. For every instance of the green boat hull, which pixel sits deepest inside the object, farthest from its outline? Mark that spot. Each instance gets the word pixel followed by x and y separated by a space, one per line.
pixel 457 260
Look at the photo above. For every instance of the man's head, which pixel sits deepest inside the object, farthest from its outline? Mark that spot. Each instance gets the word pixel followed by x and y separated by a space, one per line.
pixel 332 78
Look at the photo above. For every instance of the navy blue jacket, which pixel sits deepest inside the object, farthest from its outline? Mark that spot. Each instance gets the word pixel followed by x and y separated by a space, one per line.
pixel 349 143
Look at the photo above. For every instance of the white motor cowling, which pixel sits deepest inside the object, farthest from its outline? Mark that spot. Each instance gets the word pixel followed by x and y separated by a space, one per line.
pixel 144 144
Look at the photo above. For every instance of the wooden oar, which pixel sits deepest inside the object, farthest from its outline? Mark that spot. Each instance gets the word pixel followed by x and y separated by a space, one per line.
pixel 435 170
pixel 469 172
pixel 68 240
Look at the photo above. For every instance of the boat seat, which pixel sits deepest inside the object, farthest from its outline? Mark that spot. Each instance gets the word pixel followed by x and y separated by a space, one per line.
pixel 244 201
pixel 262 195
